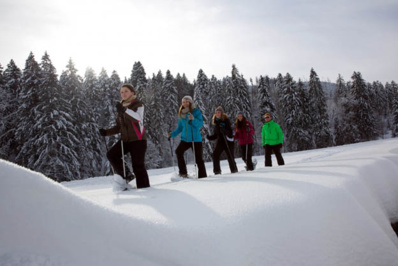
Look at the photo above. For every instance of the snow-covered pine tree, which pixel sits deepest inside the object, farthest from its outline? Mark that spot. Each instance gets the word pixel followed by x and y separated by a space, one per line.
pixel 27 114
pixel 9 105
pixel 277 93
pixel 107 98
pixel 154 124
pixel 265 102
pixel 341 98
pixel 341 90
pixel 93 142
pixel 184 87
pixel 240 95
pixel 138 80
pixel 73 136
pixel 391 89
pixel 363 116
pixel 216 95
pixel 395 112
pixel 169 102
pixel 304 139
pixel 291 111
pixel 318 110
pixel 201 98
pixel 152 121
pixel 378 103
pixel 227 101
pixel 48 124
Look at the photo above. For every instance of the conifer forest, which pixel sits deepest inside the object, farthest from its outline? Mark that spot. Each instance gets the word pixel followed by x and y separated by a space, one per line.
pixel 50 123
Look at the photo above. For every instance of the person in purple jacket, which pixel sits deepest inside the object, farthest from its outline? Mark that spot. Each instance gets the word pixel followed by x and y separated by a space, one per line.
pixel 244 134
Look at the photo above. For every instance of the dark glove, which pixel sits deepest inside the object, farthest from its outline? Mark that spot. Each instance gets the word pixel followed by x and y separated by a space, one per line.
pixel 280 146
pixel 208 137
pixel 120 109
pixel 102 132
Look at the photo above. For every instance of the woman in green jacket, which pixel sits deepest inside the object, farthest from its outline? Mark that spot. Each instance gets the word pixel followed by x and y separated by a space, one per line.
pixel 272 139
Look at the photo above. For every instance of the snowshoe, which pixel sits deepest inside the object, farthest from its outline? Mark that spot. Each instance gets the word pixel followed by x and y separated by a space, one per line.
pixel 119 184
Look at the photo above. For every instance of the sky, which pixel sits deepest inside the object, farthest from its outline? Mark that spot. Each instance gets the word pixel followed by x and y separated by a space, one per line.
pixel 261 37
pixel 326 207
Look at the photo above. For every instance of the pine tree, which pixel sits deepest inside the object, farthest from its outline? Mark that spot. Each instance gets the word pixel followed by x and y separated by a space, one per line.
pixel 227 100
pixel 201 96
pixel 395 111
pixel 341 89
pixel 184 87
pixel 291 112
pixel 170 102
pixel 362 111
pixel 266 105
pixel 277 93
pixel 73 135
pixel 318 111
pixel 27 113
pixel 93 144
pixel 138 80
pixel 9 106
pixel 304 139
pixel 154 119
pixel 216 95
pixel 48 124
pixel 240 95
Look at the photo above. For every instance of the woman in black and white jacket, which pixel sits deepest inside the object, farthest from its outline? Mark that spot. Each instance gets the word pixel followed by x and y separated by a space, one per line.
pixel 129 124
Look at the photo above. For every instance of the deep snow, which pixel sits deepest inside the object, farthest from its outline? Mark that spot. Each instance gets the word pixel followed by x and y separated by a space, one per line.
pixel 329 206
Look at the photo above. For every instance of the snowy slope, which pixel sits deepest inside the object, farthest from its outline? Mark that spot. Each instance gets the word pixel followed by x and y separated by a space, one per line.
pixel 330 206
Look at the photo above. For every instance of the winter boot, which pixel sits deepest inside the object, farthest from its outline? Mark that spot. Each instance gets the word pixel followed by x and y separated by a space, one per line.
pixel 119 184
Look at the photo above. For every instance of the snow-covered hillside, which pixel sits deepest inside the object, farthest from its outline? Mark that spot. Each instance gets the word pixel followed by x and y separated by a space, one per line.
pixel 330 206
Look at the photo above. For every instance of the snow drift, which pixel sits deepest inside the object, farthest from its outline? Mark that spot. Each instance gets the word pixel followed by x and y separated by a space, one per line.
pixel 330 206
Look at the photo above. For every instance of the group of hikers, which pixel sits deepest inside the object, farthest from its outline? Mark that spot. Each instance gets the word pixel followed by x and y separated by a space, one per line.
pixel 129 123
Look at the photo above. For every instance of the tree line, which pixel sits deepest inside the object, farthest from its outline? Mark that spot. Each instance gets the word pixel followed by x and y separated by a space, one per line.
pixel 50 124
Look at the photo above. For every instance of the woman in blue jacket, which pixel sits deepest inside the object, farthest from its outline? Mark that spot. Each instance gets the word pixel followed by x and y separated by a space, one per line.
pixel 190 121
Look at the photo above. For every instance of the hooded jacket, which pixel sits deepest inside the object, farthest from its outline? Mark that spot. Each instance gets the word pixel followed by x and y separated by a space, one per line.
pixel 271 134
pixel 185 128
pixel 245 134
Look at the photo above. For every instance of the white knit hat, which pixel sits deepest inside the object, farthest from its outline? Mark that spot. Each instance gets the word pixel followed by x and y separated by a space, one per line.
pixel 188 98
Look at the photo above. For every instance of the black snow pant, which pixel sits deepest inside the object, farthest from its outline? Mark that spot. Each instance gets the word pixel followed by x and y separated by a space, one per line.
pixel 247 157
pixel 137 151
pixel 182 147
pixel 277 151
pixel 221 146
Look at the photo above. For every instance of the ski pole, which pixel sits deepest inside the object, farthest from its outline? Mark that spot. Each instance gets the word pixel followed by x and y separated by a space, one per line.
pixel 124 166
pixel 229 152
pixel 247 142
pixel 193 148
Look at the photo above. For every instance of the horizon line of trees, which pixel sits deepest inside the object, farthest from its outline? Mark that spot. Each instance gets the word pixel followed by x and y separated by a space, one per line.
pixel 50 124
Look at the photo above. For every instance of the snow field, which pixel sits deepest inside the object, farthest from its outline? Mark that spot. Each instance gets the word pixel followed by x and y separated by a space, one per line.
pixel 330 206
